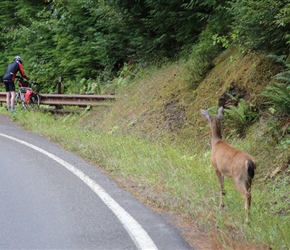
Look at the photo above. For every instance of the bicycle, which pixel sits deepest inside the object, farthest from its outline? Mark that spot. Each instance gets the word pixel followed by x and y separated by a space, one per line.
pixel 26 96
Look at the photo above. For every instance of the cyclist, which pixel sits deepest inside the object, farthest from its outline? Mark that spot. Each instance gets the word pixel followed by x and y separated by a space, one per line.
pixel 8 79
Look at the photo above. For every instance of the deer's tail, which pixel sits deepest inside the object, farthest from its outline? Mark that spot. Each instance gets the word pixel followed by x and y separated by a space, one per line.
pixel 251 166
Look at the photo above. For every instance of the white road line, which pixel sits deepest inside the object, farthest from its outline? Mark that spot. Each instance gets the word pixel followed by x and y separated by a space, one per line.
pixel 134 229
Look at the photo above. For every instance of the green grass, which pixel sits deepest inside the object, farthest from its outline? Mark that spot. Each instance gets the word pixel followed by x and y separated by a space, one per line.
pixel 174 179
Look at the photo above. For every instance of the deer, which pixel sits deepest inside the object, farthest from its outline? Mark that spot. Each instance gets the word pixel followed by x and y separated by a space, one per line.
pixel 230 162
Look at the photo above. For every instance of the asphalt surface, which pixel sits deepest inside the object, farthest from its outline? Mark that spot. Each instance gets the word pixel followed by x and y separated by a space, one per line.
pixel 53 199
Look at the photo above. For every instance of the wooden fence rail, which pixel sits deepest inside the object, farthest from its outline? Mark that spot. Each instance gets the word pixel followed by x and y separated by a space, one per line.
pixel 2 97
pixel 69 100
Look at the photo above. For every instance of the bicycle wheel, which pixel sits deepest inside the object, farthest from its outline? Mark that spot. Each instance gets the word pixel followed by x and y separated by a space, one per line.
pixel 34 102
pixel 19 99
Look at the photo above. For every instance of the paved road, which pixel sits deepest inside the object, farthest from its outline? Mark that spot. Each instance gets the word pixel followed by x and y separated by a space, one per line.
pixel 52 199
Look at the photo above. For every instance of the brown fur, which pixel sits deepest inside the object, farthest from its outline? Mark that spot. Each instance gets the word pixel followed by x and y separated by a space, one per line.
pixel 230 162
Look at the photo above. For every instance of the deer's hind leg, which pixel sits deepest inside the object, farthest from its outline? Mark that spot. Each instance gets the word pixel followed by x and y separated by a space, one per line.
pixel 221 186
pixel 244 188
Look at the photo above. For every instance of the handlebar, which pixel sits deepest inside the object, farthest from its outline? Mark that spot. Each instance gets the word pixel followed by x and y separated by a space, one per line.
pixel 22 79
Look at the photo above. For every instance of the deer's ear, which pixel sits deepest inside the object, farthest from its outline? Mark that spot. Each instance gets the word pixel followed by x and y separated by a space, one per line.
pixel 221 112
pixel 205 114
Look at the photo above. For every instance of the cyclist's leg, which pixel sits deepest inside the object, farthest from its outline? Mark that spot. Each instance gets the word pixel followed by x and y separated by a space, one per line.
pixel 8 95
pixel 12 100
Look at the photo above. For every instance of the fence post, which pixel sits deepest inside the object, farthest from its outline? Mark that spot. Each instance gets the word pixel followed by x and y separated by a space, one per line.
pixel 59 91
pixel 59 85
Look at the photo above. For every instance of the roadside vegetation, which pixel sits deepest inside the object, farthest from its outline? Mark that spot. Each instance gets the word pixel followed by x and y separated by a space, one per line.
pixel 152 140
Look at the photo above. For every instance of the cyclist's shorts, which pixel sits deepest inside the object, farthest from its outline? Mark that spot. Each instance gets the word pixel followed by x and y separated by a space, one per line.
pixel 9 86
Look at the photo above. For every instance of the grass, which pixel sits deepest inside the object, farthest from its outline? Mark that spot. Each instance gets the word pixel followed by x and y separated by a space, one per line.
pixel 172 179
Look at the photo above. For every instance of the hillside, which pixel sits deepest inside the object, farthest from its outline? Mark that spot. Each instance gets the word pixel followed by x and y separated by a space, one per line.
pixel 161 106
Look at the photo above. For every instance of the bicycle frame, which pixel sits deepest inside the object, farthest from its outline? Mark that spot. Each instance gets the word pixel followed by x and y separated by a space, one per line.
pixel 26 95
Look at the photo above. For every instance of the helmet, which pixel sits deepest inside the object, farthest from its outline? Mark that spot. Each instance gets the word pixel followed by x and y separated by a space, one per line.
pixel 17 58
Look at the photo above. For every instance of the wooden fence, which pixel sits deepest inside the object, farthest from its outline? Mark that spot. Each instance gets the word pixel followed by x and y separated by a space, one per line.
pixel 58 100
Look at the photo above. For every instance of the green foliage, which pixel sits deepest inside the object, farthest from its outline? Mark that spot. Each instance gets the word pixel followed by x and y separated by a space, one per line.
pixel 284 76
pixel 161 29
pixel 7 17
pixel 95 39
pixel 285 142
pixel 127 73
pixel 201 60
pixel 206 50
pixel 239 118
pixel 173 24
pixel 258 24
pixel 278 95
pixel 83 86
pixel 282 19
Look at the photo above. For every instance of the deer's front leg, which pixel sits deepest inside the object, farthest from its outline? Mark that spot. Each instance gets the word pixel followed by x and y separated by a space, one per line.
pixel 221 186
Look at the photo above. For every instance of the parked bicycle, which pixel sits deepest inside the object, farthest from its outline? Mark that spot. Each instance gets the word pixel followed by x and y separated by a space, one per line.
pixel 26 96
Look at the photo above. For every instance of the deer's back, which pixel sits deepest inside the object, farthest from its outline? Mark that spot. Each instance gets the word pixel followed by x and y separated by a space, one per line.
pixel 229 160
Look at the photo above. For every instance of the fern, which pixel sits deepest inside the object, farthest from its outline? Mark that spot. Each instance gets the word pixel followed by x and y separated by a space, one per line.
pixel 240 118
pixel 283 76
pixel 278 96
pixel 280 60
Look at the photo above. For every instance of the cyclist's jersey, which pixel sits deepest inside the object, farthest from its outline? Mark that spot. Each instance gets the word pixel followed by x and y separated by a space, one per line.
pixel 12 70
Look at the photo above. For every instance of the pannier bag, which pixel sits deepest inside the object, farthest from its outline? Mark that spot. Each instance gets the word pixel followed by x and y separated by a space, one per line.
pixel 28 94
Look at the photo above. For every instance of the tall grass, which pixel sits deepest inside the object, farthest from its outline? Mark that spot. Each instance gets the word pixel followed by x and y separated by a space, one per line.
pixel 173 179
